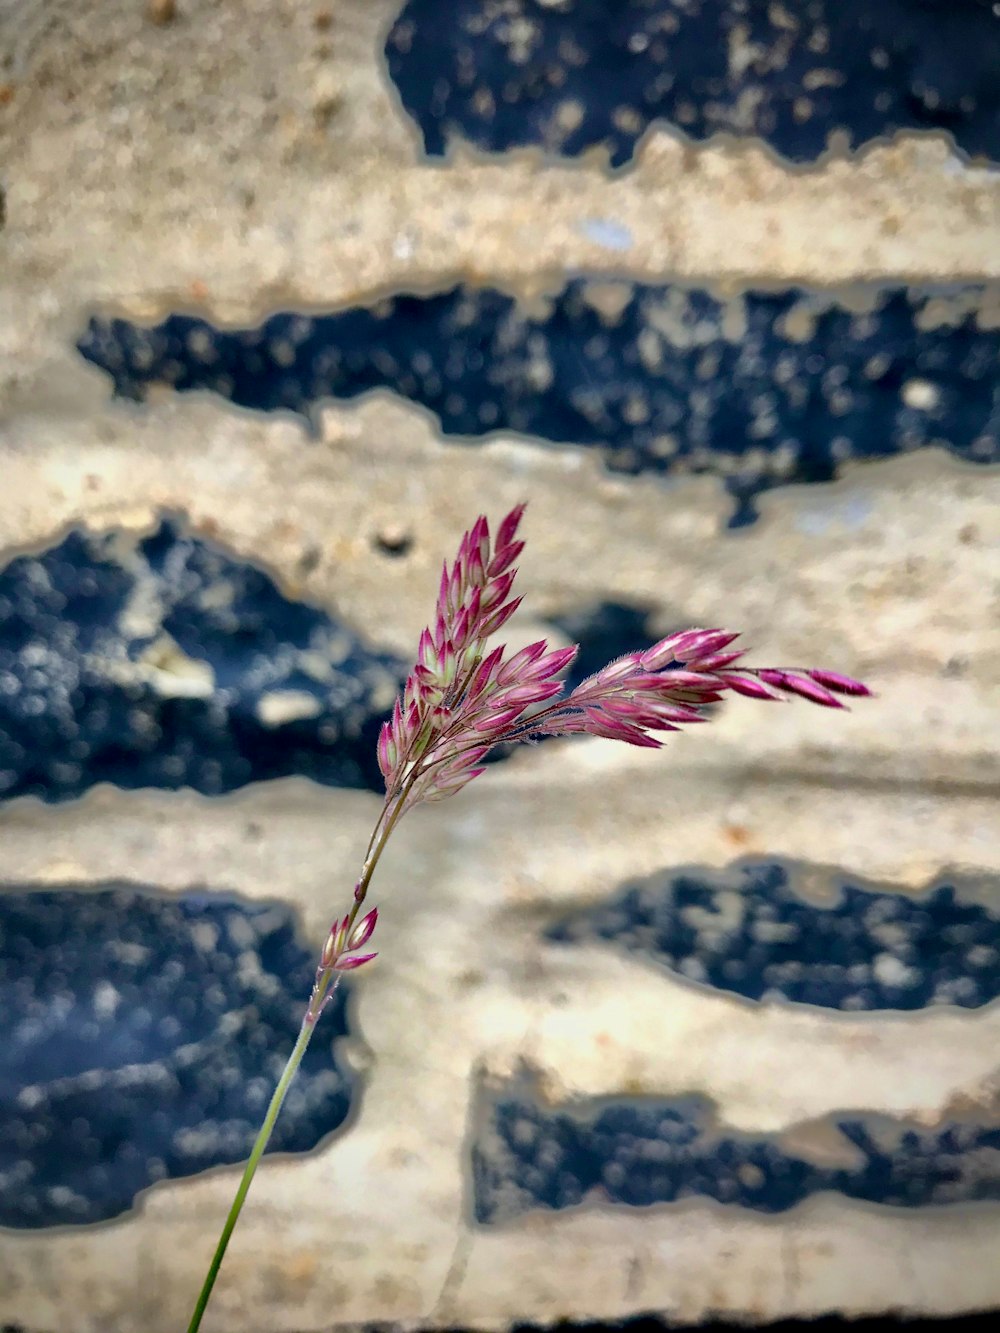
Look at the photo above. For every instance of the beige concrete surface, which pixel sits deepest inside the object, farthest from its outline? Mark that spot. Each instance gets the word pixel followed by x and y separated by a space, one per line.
pixel 244 157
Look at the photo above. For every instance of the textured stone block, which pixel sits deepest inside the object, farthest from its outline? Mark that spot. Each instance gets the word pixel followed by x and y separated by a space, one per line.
pixel 764 389
pixel 554 1111
pixel 146 1036
pixel 570 75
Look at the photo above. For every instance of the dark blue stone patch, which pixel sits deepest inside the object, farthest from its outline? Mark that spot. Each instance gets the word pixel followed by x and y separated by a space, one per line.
pixel 762 388
pixel 604 631
pixel 153 662
pixel 570 75
pixel 143 1038
pixel 637 1154
pixel 747 931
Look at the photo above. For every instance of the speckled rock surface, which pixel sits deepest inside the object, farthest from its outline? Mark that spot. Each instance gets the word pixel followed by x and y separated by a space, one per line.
pixel 575 74
pixel 749 931
pixel 161 662
pixel 763 389
pixel 708 1032
pixel 146 1035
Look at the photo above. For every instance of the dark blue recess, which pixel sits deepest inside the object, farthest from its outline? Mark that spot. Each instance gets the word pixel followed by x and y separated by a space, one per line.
pixel 93 640
pixel 762 388
pixel 604 631
pixel 94 632
pixel 637 1154
pixel 747 931
pixel 567 75
pixel 143 1037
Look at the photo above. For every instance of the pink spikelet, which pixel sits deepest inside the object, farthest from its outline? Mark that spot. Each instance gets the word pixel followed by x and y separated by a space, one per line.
pixel 460 700
pixel 463 698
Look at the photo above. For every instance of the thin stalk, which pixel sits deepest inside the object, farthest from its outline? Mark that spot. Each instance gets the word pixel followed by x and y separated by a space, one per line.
pixel 327 980
pixel 257 1152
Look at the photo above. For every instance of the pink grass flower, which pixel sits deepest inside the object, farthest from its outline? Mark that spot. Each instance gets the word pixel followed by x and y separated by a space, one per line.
pixel 463 697
pixel 460 700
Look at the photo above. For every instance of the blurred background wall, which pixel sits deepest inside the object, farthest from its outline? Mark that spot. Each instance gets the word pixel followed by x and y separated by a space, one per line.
pixel 289 292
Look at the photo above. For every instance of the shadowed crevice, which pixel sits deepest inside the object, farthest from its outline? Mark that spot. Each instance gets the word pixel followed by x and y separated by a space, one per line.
pixel 143 1038
pixel 750 931
pixel 761 388
pixel 572 75
pixel 638 1153
pixel 164 661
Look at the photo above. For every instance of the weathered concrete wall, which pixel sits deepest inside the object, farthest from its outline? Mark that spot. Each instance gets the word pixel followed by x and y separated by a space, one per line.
pixel 693 1033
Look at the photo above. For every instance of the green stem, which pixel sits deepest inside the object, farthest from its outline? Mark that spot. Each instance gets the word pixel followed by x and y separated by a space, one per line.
pixel 260 1143
pixel 327 979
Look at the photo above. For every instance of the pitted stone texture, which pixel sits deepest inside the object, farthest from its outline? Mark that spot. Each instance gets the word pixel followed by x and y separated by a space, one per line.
pixel 245 158
pixel 772 932
pixel 528 1157
pixel 145 1036
pixel 160 661
pixel 577 74
pixel 764 389
pixel 464 986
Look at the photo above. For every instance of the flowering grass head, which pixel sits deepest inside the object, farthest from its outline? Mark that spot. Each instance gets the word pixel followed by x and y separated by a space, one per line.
pixel 463 698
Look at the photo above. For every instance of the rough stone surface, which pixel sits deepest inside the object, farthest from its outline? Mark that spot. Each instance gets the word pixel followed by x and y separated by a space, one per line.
pixel 541 834
pixel 228 163
pixel 161 662
pixel 575 74
pixel 245 158
pixel 638 1154
pixel 145 1036
pixel 754 932
pixel 765 389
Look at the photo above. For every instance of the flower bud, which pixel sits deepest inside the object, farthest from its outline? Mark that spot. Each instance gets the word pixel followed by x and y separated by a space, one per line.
pixel 350 961
pixel 363 930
